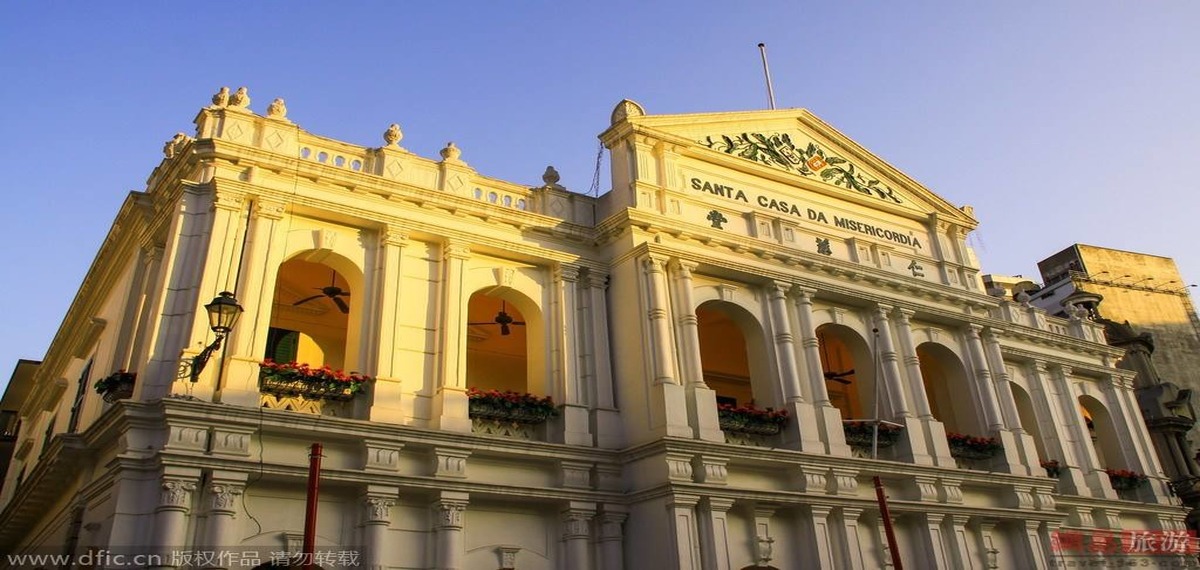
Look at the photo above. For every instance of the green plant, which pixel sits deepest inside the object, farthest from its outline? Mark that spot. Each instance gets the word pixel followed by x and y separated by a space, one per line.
pixel 973 447
pixel 114 381
pixel 297 379
pixel 510 406
pixel 749 419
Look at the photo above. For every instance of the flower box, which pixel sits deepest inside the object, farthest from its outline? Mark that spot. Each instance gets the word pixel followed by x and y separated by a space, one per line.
pixel 1124 479
pixel 300 380
pixel 973 447
pixel 1052 467
pixel 116 386
pixel 751 420
pixel 506 406
pixel 861 434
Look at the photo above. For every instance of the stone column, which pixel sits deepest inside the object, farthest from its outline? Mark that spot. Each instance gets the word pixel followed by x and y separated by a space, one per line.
pixel 684 549
pixel 930 541
pixel 958 543
pixel 612 537
pixel 152 256
pixel 822 537
pixel 983 378
pixel 668 415
pixel 389 403
pixel 1092 472
pixel 660 327
pixel 1142 456
pixel 450 402
pixel 823 432
pixel 714 534
pixel 923 435
pixel 785 341
pixel 565 362
pixel 598 359
pixel 448 524
pixel 377 516
pixel 850 549
pixel 170 518
pixel 1058 433
pixel 764 543
pixel 224 492
pixel 701 400
pixel 891 382
pixel 1020 451
pixel 912 363
pixel 264 252
pixel 576 533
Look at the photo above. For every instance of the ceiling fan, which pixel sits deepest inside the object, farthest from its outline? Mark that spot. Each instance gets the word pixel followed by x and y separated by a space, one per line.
pixel 503 319
pixel 334 292
pixel 839 377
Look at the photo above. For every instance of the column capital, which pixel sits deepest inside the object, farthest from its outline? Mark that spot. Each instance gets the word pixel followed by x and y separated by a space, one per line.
pixel 594 279
pixel 378 508
pixel 394 236
pixel 804 294
pixel 566 272
pixel 454 249
pixel 176 494
pixel 577 523
pixel 228 200
pixel 685 268
pixel 719 504
pixel 780 288
pixel 654 263
pixel 269 209
pixel 972 330
pixel 224 496
pixel 449 513
pixel 903 314
pixel 882 310
pixel 611 519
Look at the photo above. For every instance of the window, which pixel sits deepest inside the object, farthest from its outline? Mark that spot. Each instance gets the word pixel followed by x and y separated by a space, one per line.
pixel 282 344
pixel 80 390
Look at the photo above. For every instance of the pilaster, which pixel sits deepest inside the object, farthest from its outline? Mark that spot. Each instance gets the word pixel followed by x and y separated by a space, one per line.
pixel 450 401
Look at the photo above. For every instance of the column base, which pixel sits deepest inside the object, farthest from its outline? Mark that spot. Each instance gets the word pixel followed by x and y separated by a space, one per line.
pixel 809 430
pixel 450 410
pixel 913 447
pixel 607 427
pixel 388 402
pixel 575 424
pixel 670 412
pixel 702 414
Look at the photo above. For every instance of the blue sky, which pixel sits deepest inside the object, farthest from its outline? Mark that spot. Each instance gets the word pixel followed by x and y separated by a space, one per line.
pixel 1060 122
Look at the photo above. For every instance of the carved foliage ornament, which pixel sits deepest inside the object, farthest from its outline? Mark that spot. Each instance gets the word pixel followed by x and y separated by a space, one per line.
pixel 224 497
pixel 450 515
pixel 778 150
pixel 176 493
pixel 379 508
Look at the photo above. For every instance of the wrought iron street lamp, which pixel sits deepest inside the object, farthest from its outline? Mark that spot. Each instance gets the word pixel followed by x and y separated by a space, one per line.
pixel 223 313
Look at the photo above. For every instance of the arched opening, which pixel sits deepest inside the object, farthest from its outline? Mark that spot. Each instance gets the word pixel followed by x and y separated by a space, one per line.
pixel 951 398
pixel 733 357
pixel 1028 417
pixel 311 316
pixel 504 342
pixel 849 372
pixel 1104 438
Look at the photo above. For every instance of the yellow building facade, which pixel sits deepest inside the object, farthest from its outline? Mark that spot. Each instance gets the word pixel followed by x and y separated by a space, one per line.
pixel 714 332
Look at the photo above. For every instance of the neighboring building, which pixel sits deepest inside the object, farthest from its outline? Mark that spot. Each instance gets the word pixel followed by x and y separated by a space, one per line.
pixel 741 261
pixel 1146 290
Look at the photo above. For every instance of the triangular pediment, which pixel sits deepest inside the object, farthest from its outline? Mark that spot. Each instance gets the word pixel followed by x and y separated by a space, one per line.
pixel 795 143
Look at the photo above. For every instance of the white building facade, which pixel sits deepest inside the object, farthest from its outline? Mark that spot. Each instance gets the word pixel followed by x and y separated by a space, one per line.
pixel 740 262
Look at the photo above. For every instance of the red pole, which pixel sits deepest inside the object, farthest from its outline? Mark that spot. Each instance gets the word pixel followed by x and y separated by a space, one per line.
pixel 893 548
pixel 310 510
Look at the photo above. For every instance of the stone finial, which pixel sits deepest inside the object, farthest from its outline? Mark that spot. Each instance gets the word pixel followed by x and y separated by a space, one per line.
pixel 221 99
pixel 393 135
pixel 451 153
pixel 277 109
pixel 551 178
pixel 240 98
pixel 626 109
pixel 175 145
